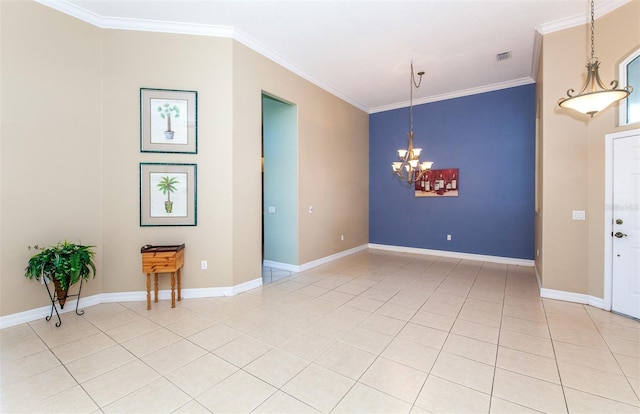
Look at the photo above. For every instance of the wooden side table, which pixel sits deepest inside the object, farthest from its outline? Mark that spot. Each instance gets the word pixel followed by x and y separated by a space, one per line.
pixel 162 259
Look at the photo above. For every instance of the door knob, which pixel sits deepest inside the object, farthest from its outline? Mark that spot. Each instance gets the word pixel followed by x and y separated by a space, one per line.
pixel 620 235
pixel 619 221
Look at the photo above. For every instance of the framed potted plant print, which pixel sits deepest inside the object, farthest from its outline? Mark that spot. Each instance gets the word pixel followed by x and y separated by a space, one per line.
pixel 168 121
pixel 168 194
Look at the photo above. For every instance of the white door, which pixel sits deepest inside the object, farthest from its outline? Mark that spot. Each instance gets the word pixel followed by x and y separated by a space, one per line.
pixel 626 226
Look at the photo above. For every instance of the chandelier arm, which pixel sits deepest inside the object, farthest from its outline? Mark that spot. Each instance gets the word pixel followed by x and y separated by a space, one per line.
pixel 614 83
pixel 407 179
pixel 587 82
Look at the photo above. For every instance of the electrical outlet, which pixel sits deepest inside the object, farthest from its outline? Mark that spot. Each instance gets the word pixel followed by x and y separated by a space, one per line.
pixel 342 237
pixel 203 265
pixel 448 237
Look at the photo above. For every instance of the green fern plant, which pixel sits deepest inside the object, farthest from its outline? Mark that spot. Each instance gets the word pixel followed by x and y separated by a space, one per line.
pixel 65 264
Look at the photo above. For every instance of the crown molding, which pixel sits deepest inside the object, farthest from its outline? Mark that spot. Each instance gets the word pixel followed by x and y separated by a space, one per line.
pixel 601 8
pixel 456 94
pixel 118 23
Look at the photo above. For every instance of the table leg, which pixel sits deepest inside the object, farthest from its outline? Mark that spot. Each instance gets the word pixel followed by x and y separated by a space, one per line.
pixel 173 292
pixel 148 291
pixel 179 286
pixel 156 287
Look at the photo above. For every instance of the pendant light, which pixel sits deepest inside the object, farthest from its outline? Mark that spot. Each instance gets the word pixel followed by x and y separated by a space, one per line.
pixel 594 96
pixel 409 169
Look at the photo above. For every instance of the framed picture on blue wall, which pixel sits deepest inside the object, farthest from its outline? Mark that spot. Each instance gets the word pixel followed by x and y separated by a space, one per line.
pixel 438 183
pixel 168 121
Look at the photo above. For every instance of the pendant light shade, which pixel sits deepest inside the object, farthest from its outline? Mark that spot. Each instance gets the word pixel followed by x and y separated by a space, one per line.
pixel 594 95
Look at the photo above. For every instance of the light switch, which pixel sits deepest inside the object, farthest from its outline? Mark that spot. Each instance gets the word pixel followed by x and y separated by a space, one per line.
pixel 272 210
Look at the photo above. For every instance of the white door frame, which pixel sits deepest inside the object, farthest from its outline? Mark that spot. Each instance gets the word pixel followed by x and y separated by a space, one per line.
pixel 608 212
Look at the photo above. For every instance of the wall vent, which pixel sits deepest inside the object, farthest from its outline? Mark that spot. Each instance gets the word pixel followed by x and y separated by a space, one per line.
pixel 503 56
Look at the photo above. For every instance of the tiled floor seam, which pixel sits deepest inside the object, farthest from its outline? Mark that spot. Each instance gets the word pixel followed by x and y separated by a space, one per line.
pixel 78 383
pixel 555 357
pixel 613 354
pixel 413 405
pixel 495 362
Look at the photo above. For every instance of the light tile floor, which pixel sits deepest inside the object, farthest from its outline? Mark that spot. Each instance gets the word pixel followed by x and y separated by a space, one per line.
pixel 375 332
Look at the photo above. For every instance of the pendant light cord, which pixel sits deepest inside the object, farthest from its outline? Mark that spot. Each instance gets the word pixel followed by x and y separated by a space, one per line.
pixel 412 83
pixel 592 29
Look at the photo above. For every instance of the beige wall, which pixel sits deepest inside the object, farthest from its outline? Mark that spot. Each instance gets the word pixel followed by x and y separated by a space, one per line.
pixel 157 60
pixel 572 152
pixel 70 109
pixel 331 133
pixel 51 140
pixel 539 183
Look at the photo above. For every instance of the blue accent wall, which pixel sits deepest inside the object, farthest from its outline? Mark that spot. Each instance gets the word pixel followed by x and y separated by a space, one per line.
pixel 490 137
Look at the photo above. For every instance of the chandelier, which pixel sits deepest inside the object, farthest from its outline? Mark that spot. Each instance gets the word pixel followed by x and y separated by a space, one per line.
pixel 409 169
pixel 590 99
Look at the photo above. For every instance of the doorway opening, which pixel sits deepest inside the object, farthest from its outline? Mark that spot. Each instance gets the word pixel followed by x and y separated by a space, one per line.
pixel 279 188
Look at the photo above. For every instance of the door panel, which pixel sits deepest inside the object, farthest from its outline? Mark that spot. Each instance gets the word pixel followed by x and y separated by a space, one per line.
pixel 626 226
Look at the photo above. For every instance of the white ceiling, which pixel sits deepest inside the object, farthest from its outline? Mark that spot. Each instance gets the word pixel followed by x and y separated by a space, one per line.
pixel 361 50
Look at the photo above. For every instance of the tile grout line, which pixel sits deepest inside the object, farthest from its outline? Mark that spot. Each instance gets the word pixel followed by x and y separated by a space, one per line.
pixel 555 356
pixel 495 362
pixel 614 358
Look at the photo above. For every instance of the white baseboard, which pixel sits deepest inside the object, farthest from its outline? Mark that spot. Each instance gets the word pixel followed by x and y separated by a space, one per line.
pixel 568 296
pixel 328 259
pixel 243 287
pixel 44 311
pixel 312 264
pixel 137 296
pixel 165 294
pixel 572 297
pixel 455 255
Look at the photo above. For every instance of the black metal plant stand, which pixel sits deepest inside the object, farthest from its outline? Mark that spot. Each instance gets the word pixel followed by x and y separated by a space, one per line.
pixel 54 298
